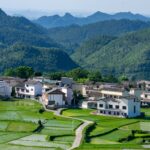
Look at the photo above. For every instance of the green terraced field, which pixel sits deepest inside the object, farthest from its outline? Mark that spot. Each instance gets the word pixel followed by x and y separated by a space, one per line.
pixel 19 120
pixel 108 131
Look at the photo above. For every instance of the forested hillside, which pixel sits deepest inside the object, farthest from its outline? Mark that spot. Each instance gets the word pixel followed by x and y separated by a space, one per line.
pixel 24 43
pixel 71 37
pixel 128 54
pixel 111 47
pixel 41 59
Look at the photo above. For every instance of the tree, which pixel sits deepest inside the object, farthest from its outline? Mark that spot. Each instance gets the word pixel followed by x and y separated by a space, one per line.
pixel 123 78
pixel 10 72
pixel 110 78
pixel 95 76
pixel 78 73
pixel 77 96
pixel 22 72
pixel 38 74
pixel 56 75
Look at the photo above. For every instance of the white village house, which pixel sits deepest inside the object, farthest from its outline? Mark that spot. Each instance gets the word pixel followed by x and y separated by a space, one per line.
pixel 114 92
pixel 58 96
pixel 5 89
pixel 145 95
pixel 54 98
pixel 29 89
pixel 128 106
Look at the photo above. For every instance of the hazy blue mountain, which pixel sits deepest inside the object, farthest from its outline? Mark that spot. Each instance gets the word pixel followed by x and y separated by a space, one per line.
pixel 68 19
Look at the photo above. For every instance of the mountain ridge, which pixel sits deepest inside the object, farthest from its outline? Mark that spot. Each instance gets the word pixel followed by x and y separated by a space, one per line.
pixel 68 19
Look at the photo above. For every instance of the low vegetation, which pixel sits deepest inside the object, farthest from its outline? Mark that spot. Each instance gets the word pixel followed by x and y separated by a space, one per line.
pixel 111 132
pixel 19 127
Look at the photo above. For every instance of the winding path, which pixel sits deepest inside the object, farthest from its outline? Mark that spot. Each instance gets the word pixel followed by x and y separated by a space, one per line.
pixel 79 131
pixel 79 134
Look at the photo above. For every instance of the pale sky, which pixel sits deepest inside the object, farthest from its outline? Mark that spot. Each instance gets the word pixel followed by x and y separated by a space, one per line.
pixel 82 6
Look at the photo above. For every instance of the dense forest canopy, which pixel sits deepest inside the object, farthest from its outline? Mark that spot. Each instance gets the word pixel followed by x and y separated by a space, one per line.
pixel 116 47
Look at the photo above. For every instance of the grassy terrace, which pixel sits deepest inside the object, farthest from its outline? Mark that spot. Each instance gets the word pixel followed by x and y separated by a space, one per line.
pixel 111 132
pixel 19 121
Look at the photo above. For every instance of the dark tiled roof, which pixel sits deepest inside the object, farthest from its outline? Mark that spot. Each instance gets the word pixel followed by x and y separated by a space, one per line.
pixel 55 91
pixel 20 85
pixel 113 89
pixel 32 82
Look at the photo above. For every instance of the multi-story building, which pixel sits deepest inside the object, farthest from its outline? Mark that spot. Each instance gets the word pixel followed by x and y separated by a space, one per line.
pixel 54 98
pixel 145 95
pixel 128 106
pixel 29 89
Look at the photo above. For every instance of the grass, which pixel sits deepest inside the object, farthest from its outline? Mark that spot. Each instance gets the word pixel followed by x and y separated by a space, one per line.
pixel 116 135
pixel 144 126
pixel 21 126
pixel 9 136
pixel 19 119
pixel 107 131
pixel 18 147
pixel 109 146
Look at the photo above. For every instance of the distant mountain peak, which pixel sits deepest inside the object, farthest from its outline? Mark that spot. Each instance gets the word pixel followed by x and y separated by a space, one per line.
pixel 2 13
pixel 68 19
pixel 99 12
pixel 68 15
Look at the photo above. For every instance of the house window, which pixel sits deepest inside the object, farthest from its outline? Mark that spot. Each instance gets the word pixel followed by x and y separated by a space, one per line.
pixel 31 89
pixel 109 112
pixel 145 96
pixel 110 106
pixel 27 85
pixel 134 109
pixel 124 107
pixel 117 106
pixel 118 113
pixel 22 90
pixel 101 105
pixel 27 91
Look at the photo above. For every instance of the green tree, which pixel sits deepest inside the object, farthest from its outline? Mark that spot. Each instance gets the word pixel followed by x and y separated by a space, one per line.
pixel 56 75
pixel 95 76
pixel 78 73
pixel 110 78
pixel 10 72
pixel 77 96
pixel 123 78
pixel 22 72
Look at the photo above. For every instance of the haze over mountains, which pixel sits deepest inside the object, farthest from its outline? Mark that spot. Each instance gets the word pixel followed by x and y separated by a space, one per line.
pixel 118 46
pixel 68 19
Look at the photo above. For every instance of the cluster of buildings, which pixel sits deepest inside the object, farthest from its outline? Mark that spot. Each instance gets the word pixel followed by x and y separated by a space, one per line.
pixel 106 98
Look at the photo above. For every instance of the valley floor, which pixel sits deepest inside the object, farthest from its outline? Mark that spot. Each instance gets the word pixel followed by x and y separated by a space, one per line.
pixel 20 129
pixel 113 133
